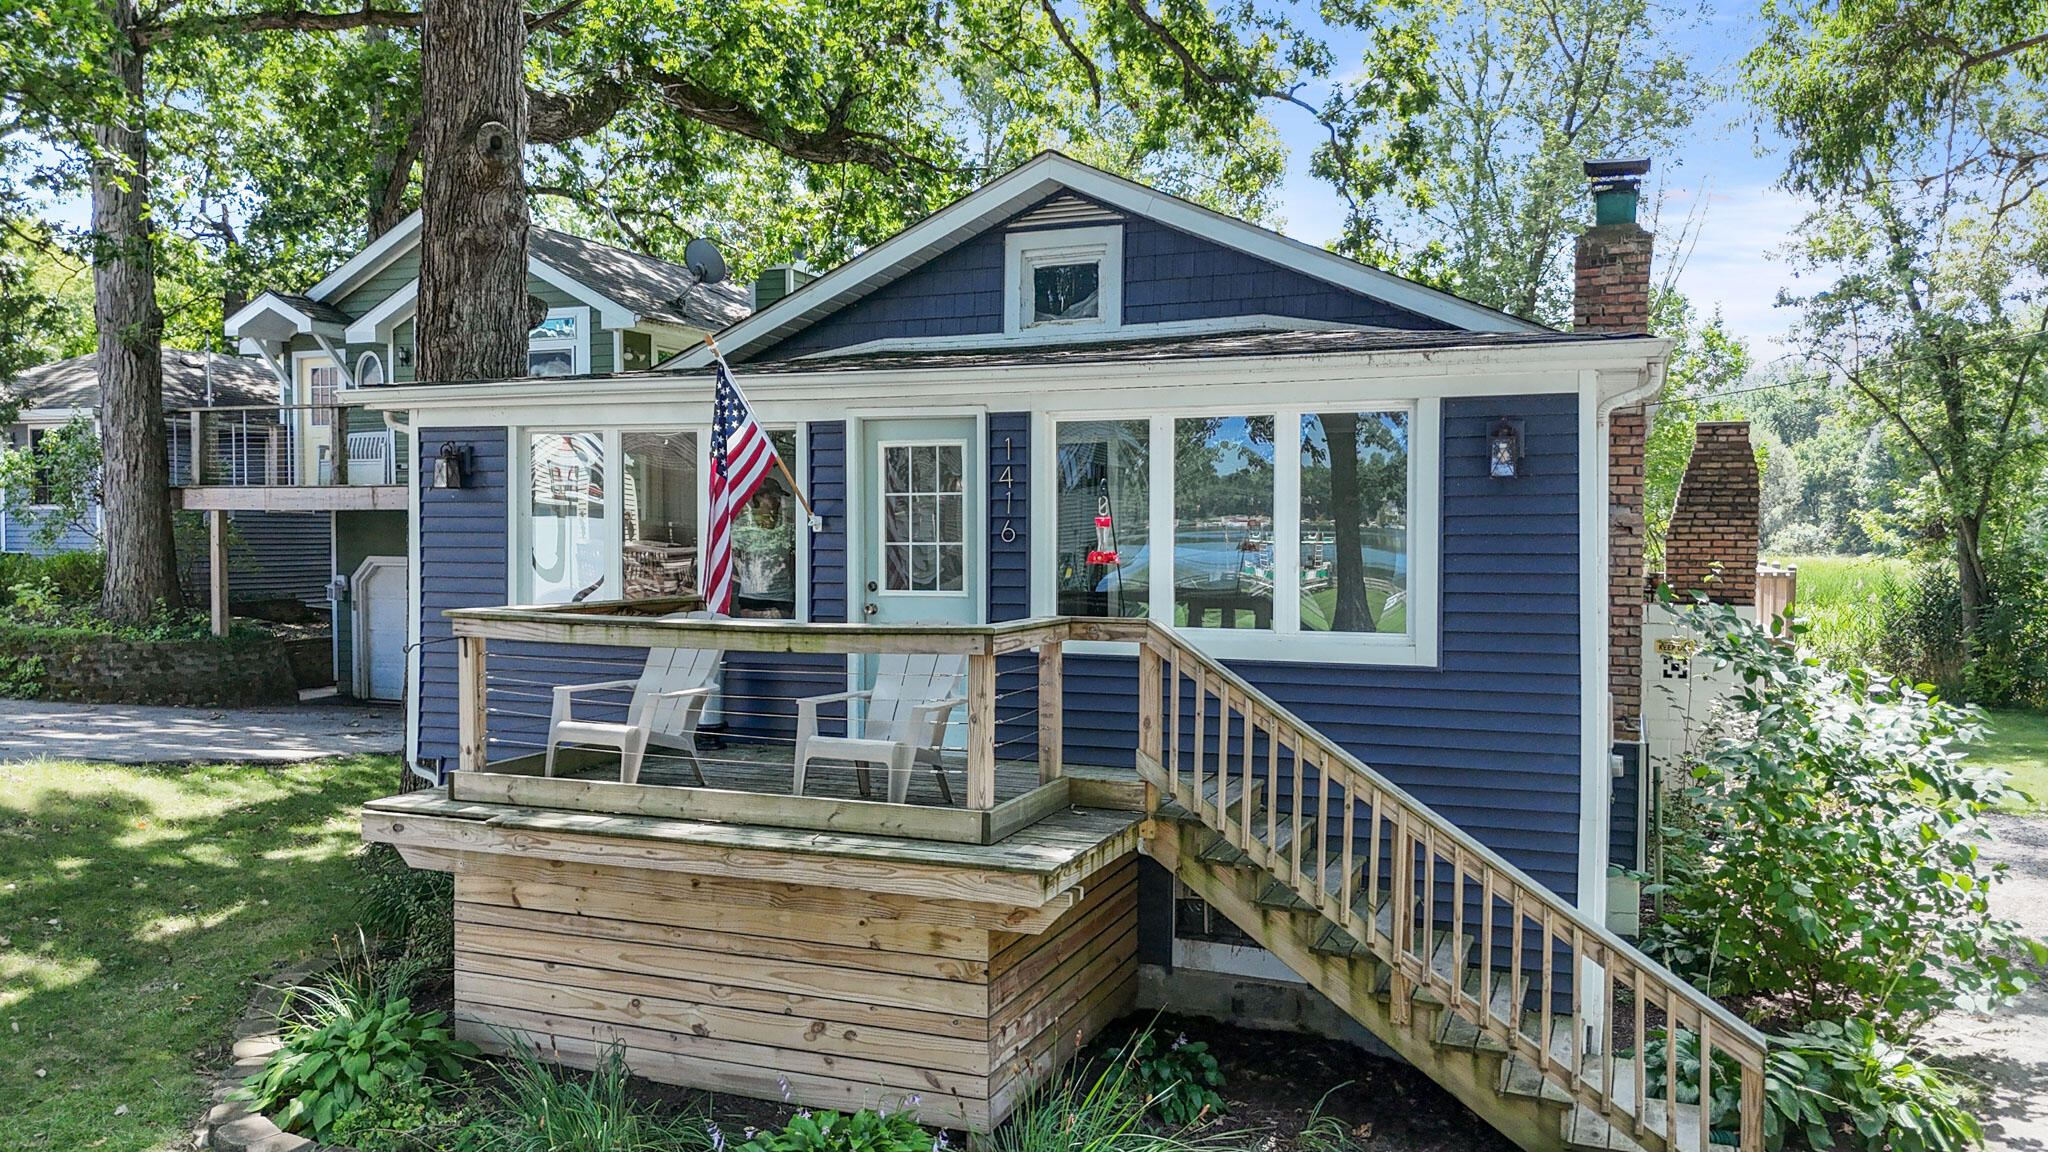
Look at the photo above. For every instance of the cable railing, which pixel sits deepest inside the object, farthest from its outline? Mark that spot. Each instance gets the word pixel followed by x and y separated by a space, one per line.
pixel 283 446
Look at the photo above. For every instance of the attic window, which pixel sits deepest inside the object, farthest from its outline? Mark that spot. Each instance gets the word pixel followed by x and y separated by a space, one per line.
pixel 1063 278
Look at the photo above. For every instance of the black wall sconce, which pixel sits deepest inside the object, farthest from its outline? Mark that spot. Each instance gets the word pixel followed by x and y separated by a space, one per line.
pixel 454 466
pixel 1504 449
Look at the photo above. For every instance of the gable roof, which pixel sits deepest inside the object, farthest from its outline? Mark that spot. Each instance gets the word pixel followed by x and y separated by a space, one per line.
pixel 75 383
pixel 1036 181
pixel 651 288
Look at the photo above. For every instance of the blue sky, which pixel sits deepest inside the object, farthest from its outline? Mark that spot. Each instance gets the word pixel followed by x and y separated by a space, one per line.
pixel 1745 219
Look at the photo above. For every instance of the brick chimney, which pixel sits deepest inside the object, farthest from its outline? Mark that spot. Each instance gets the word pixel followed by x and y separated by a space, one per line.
pixel 1712 543
pixel 1612 295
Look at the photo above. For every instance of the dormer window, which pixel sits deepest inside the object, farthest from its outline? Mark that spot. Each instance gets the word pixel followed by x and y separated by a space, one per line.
pixel 1063 278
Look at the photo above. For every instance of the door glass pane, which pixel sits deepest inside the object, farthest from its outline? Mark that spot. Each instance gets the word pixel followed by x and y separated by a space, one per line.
pixel 764 544
pixel 565 508
pixel 922 507
pixel 1354 522
pixel 1223 522
pixel 658 513
pixel 1103 487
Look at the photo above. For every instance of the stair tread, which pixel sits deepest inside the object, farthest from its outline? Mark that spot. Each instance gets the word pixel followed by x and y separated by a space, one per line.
pixel 1585 1128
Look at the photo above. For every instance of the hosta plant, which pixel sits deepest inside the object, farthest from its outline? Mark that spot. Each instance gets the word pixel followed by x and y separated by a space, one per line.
pixel 353 1046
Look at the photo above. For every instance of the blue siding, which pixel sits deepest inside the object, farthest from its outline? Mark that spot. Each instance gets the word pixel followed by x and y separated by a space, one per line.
pixel 958 293
pixel 462 565
pixel 828 500
pixel 1009 578
pixel 1174 275
pixel 1490 737
pixel 1168 275
pixel 1624 833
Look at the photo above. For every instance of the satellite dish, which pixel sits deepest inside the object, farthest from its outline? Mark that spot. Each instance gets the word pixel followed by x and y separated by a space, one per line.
pixel 704 260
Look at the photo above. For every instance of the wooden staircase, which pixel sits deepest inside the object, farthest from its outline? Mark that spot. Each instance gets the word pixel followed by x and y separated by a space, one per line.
pixel 1524 1008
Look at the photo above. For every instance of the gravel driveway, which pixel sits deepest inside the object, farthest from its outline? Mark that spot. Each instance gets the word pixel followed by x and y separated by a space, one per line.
pixel 133 734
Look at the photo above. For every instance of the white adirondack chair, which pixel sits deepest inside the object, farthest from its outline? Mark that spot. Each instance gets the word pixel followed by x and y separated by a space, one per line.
pixel 668 701
pixel 901 727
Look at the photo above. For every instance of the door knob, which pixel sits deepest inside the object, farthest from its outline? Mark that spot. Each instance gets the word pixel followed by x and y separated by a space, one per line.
pixel 873 587
pixel 869 610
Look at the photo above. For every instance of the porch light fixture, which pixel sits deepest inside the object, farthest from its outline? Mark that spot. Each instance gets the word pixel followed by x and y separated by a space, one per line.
pixel 1504 449
pixel 454 466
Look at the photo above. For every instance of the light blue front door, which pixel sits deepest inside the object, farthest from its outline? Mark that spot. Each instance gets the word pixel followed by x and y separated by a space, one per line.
pixel 921 547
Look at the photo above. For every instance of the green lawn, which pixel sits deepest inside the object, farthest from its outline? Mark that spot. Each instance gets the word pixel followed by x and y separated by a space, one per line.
pixel 2018 743
pixel 137 907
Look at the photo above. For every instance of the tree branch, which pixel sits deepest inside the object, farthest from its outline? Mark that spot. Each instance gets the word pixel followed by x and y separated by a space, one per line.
pixel 834 144
pixel 1059 28
pixel 284 20
pixel 557 117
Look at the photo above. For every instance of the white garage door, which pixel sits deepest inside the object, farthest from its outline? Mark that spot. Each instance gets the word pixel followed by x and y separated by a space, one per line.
pixel 378 590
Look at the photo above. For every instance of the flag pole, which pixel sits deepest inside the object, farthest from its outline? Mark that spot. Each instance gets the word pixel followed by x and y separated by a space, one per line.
pixel 816 521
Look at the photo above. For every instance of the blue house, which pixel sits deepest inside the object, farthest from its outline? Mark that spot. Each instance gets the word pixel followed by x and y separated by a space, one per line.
pixel 1345 519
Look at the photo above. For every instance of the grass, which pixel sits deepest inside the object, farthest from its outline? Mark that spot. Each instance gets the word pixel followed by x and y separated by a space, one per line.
pixel 138 906
pixel 2018 743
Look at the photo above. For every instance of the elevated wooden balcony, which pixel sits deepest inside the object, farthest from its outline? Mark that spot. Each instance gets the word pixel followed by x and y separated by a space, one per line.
pixel 286 458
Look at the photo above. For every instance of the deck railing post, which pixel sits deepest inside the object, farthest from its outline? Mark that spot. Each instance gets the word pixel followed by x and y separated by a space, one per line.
pixel 1151 732
pixel 198 462
pixel 1051 718
pixel 981 731
pixel 469 684
pixel 337 439
pixel 217 568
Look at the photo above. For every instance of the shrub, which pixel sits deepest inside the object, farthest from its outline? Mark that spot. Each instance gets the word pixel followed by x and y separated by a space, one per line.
pixel 1179 1079
pixel 1833 867
pixel 412 908
pixel 1845 1079
pixel 411 1118
pixel 351 1045
pixel 68 579
pixel 547 1109
pixel 862 1131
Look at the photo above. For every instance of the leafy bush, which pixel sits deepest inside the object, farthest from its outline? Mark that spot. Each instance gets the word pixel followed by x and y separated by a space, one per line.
pixel 349 1047
pixel 69 579
pixel 1845 1079
pixel 1833 870
pixel 413 909
pixel 21 677
pixel 411 1118
pixel 862 1131
pixel 1179 1079
pixel 547 1109
pixel 2010 662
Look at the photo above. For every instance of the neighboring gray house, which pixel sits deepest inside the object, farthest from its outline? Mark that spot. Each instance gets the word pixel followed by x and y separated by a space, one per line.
pixel 277 555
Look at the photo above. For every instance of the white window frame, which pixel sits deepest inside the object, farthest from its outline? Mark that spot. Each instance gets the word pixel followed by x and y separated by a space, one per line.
pixel 519 509
pixel 881 520
pixel 1025 252
pixel 578 346
pixel 364 364
pixel 1285 640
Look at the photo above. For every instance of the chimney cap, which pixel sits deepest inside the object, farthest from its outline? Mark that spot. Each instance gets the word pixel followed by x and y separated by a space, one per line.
pixel 1611 169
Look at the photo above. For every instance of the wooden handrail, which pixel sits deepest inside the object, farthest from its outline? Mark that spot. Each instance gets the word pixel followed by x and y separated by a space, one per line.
pixel 1391 902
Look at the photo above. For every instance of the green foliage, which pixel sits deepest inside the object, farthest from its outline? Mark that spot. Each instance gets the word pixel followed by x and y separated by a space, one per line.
pixel 1846 1080
pixel 353 1045
pixel 1076 1112
pixel 548 1109
pixel 864 1131
pixel 54 485
pixel 411 1118
pixel 68 579
pixel 1531 89
pixel 1180 1079
pixel 1832 869
pixel 411 908
pixel 21 677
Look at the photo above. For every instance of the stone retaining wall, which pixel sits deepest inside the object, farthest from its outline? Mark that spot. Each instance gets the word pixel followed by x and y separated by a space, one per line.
pixel 74 666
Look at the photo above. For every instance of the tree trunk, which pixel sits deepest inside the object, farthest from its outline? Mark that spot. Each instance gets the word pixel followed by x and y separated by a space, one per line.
pixel 1973 585
pixel 142 567
pixel 1353 612
pixel 472 304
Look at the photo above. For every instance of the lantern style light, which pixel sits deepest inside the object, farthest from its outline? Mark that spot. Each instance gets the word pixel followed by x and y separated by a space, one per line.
pixel 455 464
pixel 1504 449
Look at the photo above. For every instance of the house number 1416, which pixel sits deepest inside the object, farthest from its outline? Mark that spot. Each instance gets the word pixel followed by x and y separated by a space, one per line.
pixel 1009 483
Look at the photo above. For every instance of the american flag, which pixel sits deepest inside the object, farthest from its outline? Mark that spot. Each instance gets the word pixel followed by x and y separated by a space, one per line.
pixel 741 456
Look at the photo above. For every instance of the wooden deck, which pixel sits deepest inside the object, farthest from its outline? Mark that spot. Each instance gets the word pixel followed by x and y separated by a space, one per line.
pixel 750 784
pixel 835 969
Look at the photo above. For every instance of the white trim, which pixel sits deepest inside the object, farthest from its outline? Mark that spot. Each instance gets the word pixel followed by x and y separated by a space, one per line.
pixel 373 356
pixel 1024 252
pixel 359 653
pixel 1053 336
pixel 1033 181
pixel 611 313
pixel 337 358
pixel 271 302
pixel 376 325
pixel 370 260
pixel 411 431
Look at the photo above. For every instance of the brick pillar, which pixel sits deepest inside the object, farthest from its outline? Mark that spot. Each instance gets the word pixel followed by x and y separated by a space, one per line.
pixel 1711 546
pixel 1612 295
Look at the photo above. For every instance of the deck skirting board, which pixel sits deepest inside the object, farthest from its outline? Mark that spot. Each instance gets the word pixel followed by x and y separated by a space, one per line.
pixel 772 989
